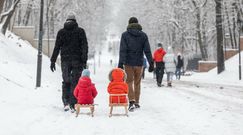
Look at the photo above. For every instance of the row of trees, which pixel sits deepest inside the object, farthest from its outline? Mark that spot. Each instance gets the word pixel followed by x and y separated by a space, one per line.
pixel 192 27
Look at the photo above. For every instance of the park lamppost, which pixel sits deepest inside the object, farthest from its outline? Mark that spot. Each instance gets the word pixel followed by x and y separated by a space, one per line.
pixel 39 57
pixel 239 23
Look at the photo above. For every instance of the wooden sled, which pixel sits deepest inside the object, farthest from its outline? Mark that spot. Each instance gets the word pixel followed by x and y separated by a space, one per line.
pixel 118 104
pixel 78 106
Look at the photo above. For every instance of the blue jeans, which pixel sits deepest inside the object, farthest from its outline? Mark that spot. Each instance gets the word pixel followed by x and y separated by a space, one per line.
pixel 178 73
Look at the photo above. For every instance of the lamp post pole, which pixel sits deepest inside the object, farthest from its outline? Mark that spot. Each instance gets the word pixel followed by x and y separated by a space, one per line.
pixel 39 56
pixel 239 21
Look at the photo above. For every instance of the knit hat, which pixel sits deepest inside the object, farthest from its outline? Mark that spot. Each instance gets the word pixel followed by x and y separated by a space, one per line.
pixel 160 45
pixel 86 72
pixel 71 16
pixel 133 20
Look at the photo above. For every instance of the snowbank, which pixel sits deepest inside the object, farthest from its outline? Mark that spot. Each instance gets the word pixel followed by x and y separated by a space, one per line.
pixel 229 77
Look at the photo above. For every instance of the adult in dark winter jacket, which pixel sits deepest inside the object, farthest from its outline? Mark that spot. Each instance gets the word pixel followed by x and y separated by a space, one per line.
pixel 72 44
pixel 179 65
pixel 134 44
pixel 159 54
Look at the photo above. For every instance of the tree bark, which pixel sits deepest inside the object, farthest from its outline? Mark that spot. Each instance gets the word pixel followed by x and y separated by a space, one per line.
pixel 6 17
pixel 27 13
pixel 230 31
pixel 199 34
pixel 219 21
pixel 234 26
pixel 1 5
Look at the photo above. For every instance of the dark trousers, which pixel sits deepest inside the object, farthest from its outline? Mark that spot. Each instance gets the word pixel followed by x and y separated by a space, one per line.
pixel 178 73
pixel 71 71
pixel 159 70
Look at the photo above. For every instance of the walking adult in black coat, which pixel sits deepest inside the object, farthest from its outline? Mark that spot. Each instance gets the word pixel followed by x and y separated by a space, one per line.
pixel 134 44
pixel 72 43
pixel 179 66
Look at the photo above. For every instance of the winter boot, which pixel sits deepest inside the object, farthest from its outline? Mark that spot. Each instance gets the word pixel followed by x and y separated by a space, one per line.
pixel 137 105
pixel 66 108
pixel 131 106
pixel 159 84
pixel 72 108
pixel 169 84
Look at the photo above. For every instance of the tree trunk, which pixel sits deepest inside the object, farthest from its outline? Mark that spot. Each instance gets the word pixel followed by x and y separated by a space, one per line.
pixel 8 4
pixel 199 34
pixel 234 27
pixel 230 31
pixel 6 17
pixel 204 35
pixel 27 13
pixel 19 15
pixel 1 5
pixel 52 18
pixel 219 21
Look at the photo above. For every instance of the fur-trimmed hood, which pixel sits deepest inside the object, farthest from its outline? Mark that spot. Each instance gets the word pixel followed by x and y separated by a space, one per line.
pixel 134 26
pixel 117 74
pixel 134 29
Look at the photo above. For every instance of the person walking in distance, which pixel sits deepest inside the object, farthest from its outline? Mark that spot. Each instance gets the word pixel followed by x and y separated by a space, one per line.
pixel 134 44
pixel 170 65
pixel 179 65
pixel 72 44
pixel 159 54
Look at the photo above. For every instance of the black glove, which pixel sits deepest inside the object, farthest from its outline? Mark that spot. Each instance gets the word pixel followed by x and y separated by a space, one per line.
pixel 53 67
pixel 151 67
pixel 120 65
pixel 84 66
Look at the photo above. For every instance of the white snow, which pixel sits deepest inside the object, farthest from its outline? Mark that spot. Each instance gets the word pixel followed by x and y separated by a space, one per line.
pixel 201 104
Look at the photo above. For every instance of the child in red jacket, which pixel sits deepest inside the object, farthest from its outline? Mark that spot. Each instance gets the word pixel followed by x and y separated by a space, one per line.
pixel 117 86
pixel 85 91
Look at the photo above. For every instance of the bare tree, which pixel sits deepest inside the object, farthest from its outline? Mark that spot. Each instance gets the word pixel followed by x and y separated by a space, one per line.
pixel 1 5
pixel 229 27
pixel 199 29
pixel 28 13
pixel 6 16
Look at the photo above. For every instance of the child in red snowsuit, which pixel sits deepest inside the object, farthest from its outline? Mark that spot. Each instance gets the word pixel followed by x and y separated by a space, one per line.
pixel 117 86
pixel 85 91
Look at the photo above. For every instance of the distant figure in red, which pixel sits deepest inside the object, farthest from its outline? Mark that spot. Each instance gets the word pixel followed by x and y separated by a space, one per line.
pixel 159 54
pixel 85 91
pixel 117 85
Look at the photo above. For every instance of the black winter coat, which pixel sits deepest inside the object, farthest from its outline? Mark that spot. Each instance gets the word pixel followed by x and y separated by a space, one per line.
pixel 179 62
pixel 134 44
pixel 71 41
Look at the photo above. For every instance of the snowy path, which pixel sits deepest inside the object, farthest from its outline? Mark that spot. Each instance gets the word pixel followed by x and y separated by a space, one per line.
pixel 188 108
pixel 196 110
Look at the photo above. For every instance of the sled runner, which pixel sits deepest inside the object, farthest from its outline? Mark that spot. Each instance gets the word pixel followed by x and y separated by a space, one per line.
pixel 118 103
pixel 78 106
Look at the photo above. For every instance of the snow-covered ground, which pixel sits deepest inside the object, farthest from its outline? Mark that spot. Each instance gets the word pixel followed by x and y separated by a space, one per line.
pixel 230 76
pixel 202 104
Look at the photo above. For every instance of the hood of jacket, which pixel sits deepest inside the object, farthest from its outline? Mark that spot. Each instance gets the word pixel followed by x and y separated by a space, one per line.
pixel 70 25
pixel 160 50
pixel 84 82
pixel 134 29
pixel 117 75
